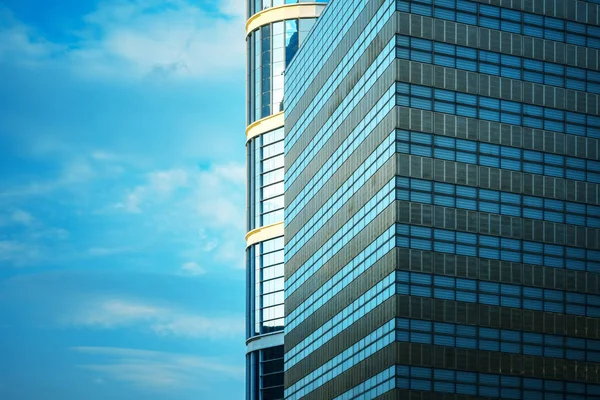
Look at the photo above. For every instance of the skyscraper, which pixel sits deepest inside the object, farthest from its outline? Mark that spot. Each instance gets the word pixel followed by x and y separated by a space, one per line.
pixel 442 201
pixel 275 29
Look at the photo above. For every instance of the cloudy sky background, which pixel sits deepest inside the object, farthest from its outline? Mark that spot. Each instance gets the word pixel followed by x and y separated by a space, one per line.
pixel 122 199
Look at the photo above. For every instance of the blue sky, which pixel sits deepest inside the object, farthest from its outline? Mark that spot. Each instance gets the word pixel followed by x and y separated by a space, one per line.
pixel 122 199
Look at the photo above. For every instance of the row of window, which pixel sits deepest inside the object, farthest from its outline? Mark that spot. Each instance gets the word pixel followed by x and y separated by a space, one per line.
pixel 511 135
pixel 511 228
pixel 470 384
pixel 499 271
pixel 497 248
pixel 335 24
pixel 497 41
pixel 581 11
pixel 462 243
pixel 539 277
pixel 354 139
pixel 498 202
pixel 270 49
pixel 325 292
pixel 490 109
pixel 497 156
pixel 334 162
pixel 494 294
pixel 265 186
pixel 456 335
pixel 497 64
pixel 468 290
pixel 339 115
pixel 498 179
pixel 265 287
pixel 318 97
pixel 348 62
pixel 491 385
pixel 367 302
pixel 503 340
pixel 447 380
pixel 373 387
pixel 271 373
pixel 505 19
pixel 375 341
pixel 339 239
pixel 352 185
pixel 419 213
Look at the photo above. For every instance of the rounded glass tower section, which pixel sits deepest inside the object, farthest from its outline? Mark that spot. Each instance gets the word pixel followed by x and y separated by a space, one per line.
pixel 275 29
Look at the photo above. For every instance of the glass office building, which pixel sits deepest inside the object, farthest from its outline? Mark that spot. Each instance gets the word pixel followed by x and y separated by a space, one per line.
pixel 275 30
pixel 442 202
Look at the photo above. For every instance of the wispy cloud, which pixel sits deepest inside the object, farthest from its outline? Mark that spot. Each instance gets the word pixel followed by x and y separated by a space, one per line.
pixel 108 251
pixel 192 268
pixel 159 185
pixel 22 43
pixel 156 369
pixel 205 206
pixel 24 239
pixel 117 313
pixel 16 217
pixel 138 39
pixel 22 217
pixel 19 253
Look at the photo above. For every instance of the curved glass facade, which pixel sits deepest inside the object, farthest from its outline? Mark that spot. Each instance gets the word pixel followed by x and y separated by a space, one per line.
pixel 265 374
pixel 265 179
pixel 265 284
pixel 256 6
pixel 270 49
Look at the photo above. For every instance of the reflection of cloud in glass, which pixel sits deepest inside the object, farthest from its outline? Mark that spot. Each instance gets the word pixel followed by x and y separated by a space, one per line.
pixel 291 40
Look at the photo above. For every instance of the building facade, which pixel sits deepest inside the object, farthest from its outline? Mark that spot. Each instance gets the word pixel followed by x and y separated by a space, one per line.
pixel 275 29
pixel 442 202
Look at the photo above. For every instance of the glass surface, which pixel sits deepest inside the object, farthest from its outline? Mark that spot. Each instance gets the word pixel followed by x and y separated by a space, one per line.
pixel 495 187
pixel 270 49
pixel 265 287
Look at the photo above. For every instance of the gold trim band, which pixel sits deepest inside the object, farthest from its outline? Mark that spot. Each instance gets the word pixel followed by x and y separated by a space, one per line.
pixel 264 125
pixel 283 12
pixel 264 233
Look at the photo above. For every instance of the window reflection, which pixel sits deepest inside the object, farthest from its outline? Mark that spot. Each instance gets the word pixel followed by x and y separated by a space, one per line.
pixel 271 48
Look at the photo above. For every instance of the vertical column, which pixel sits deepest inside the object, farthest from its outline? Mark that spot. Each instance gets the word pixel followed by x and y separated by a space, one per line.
pixel 273 38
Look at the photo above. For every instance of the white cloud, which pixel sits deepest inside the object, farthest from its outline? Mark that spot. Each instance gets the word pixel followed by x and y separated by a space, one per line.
pixel 114 313
pixel 74 172
pixel 165 182
pixel 185 201
pixel 22 217
pixel 155 369
pixel 140 39
pixel 22 43
pixel 17 217
pixel 19 253
pixel 192 268
pixel 159 185
pixel 24 239
pixel 220 198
